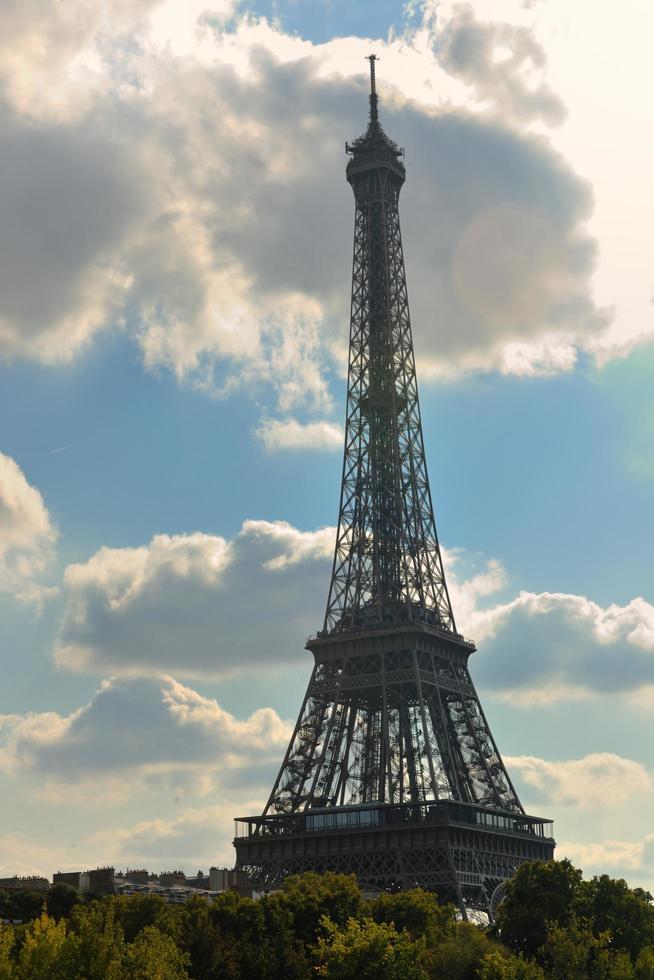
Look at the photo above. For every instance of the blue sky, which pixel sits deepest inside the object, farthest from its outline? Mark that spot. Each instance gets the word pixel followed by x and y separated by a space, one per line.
pixel 173 321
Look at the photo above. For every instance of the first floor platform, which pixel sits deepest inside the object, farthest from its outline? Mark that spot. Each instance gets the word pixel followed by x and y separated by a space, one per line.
pixel 461 851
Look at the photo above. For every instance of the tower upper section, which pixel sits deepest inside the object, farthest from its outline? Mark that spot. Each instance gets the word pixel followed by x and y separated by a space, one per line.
pixel 387 570
pixel 374 150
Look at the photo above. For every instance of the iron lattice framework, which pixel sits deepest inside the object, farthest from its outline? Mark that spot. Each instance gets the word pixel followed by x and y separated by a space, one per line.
pixel 391 771
pixel 387 565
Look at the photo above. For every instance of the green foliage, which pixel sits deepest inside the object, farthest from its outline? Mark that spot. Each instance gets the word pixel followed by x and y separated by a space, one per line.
pixel 20 905
pixel 100 941
pixel 61 900
pixel 416 911
pixel 550 913
pixel 24 905
pixel 625 915
pixel 155 956
pixel 461 954
pixel 247 946
pixel 497 965
pixel 369 950
pixel 7 940
pixel 539 894
pixel 551 926
pixel 644 969
pixel 89 946
pixel 575 953
pixel 47 952
pixel 199 937
pixel 236 937
pixel 312 897
pixel 288 954
pixel 136 912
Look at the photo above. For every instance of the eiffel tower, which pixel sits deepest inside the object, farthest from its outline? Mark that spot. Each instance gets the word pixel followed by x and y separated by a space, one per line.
pixel 391 772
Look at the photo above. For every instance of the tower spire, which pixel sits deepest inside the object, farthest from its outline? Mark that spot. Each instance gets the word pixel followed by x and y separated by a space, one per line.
pixel 373 99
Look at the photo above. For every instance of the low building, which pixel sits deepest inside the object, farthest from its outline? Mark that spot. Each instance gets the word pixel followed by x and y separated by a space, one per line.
pixel 71 878
pixel 27 883
pixel 199 881
pixel 124 887
pixel 170 878
pixel 229 880
pixel 138 876
pixel 99 881
pixel 174 895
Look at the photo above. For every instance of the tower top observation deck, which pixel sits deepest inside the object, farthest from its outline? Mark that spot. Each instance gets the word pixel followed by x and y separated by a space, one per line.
pixel 374 148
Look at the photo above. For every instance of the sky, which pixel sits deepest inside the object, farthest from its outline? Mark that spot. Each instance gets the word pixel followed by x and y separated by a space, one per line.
pixel 175 263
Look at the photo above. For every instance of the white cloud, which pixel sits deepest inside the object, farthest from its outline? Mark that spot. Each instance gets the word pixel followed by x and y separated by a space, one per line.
pixel 196 604
pixel 586 64
pixel 214 153
pixel 27 534
pixel 42 48
pixel 599 780
pixel 600 805
pixel 470 583
pixel 277 434
pixel 140 746
pixel 56 58
pixel 136 734
pixel 199 838
pixel 502 61
pixel 629 859
pixel 70 201
pixel 22 854
pixel 604 857
pixel 553 646
pixel 186 29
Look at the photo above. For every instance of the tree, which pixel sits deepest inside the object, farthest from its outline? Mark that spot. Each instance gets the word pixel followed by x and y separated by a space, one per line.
pixel 47 953
pixel 243 938
pixel 539 894
pixel 417 911
pixel 6 946
pixel 20 904
pixel 155 956
pixel 644 969
pixel 460 955
pixel 61 899
pixel 311 897
pixel 498 965
pixel 287 953
pixel 369 950
pixel 256 939
pixel 625 915
pixel 135 912
pixel 198 938
pixel 573 952
pixel 100 942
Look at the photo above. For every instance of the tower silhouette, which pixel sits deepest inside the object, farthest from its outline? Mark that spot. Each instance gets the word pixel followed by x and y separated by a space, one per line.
pixel 391 772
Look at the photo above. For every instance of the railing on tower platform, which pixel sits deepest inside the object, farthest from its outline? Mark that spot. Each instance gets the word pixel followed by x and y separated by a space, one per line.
pixel 320 820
